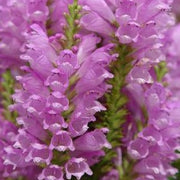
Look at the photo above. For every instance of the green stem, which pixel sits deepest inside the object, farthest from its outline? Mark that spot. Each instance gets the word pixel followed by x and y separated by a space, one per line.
pixel 72 27
pixel 8 84
pixel 161 70
pixel 70 30
pixel 116 113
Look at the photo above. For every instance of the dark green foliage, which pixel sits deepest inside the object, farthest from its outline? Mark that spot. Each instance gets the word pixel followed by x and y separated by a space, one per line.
pixel 176 164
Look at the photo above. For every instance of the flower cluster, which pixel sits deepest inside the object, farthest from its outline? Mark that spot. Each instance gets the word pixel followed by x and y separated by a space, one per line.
pixel 95 92
pixel 155 145
pixel 16 17
pixel 58 100
pixel 142 25
pixel 9 154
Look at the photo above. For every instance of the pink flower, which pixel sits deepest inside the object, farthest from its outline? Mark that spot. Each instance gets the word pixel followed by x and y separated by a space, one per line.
pixel 77 167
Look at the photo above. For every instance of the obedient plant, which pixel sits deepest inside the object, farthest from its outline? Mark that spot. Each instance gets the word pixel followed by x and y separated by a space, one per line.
pixel 89 90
